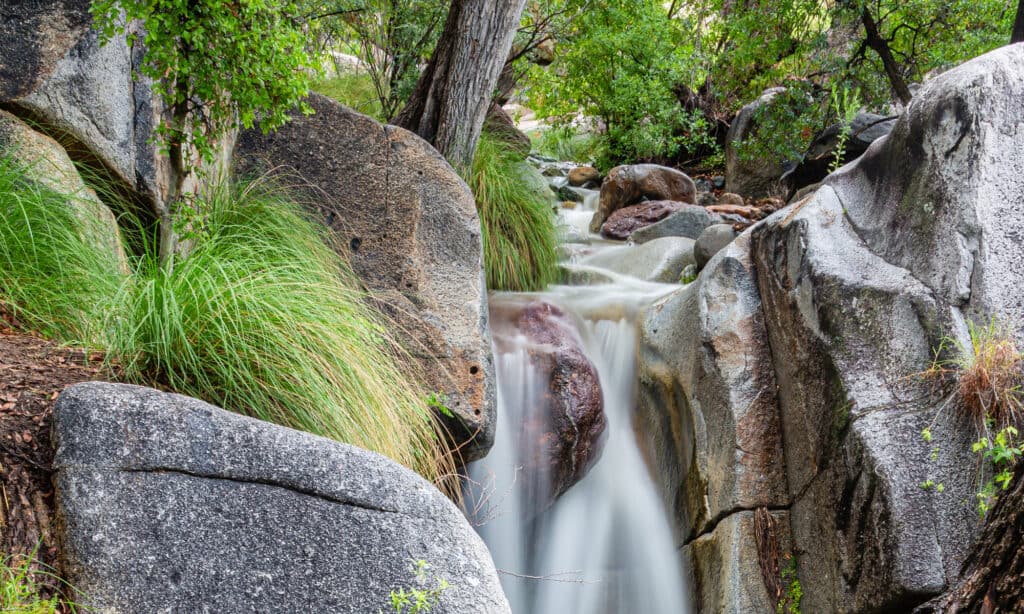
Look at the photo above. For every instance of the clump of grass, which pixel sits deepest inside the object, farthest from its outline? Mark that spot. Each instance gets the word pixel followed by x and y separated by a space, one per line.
pixel 519 233
pixel 354 90
pixel 988 374
pixel 263 318
pixel 24 582
pixel 53 278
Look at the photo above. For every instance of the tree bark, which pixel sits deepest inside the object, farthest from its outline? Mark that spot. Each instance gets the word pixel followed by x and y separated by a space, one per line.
pixel 992 577
pixel 450 101
pixel 1018 24
pixel 880 46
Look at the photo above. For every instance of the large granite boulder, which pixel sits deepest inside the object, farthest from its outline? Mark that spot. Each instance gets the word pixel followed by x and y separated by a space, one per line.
pixel 46 163
pixel 168 504
pixel 865 129
pixel 751 177
pixel 54 73
pixel 409 225
pixel 861 282
pixel 628 185
pixel 562 428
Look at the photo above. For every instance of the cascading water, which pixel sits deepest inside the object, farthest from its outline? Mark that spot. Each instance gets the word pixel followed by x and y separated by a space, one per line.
pixel 606 545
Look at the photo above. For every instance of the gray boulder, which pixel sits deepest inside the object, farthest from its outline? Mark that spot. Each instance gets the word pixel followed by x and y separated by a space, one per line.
pixel 90 97
pixel 47 164
pixel 689 221
pixel 409 225
pixel 661 260
pixel 168 504
pixel 861 282
pixel 711 241
pixel 757 177
pixel 628 185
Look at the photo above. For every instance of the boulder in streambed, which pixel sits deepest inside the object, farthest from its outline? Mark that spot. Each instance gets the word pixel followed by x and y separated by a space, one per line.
pixel 563 434
pixel 659 260
pixel 751 176
pixel 583 175
pixel 628 185
pixel 711 241
pixel 408 224
pixel 687 221
pixel 168 504
pixel 623 222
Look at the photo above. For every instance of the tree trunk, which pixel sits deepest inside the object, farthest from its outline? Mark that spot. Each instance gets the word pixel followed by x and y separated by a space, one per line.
pixel 1018 24
pixel 875 41
pixel 451 97
pixel 992 577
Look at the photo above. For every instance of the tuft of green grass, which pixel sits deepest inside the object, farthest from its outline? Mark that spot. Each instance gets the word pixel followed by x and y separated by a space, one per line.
pixel 263 318
pixel 519 232
pixel 354 90
pixel 53 278
pixel 23 584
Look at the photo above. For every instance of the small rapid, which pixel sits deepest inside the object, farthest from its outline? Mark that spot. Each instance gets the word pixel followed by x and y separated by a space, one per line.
pixel 606 545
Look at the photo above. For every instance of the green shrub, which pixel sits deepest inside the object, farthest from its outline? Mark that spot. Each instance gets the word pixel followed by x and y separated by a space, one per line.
pixel 354 90
pixel 52 278
pixel 519 233
pixel 262 318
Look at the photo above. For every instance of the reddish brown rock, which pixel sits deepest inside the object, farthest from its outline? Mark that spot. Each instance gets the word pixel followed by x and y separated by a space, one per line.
pixel 628 185
pixel 563 436
pixel 625 221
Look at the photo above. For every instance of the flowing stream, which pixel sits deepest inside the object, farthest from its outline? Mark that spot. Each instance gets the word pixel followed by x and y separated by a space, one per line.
pixel 606 545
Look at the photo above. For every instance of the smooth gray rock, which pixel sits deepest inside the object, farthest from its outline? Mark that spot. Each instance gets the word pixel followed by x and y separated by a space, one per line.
pixel 861 282
pixel 726 571
pixel 661 260
pixel 169 504
pixel 690 221
pixel 35 36
pixel 754 178
pixel 707 415
pixel 409 226
pixel 47 164
pixel 711 241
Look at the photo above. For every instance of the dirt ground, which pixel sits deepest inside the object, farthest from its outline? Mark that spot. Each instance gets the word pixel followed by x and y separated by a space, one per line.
pixel 33 372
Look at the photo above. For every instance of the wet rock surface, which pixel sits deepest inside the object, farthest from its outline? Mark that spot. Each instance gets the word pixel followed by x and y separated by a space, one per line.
pixel 687 221
pixel 624 222
pixel 628 185
pixel 563 437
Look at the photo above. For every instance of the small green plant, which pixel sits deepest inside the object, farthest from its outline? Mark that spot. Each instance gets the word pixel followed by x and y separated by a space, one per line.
pixel 790 602
pixel 986 376
pixel 24 581
pixel 421 598
pixel 520 236
pixel 846 104
pixel 1002 451
pixel 354 90
pixel 565 143
pixel 689 274
pixel 439 402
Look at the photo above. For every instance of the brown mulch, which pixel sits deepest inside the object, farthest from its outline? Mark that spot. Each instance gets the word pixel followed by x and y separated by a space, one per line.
pixel 33 372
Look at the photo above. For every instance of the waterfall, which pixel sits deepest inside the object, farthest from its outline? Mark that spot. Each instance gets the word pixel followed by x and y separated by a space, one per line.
pixel 606 546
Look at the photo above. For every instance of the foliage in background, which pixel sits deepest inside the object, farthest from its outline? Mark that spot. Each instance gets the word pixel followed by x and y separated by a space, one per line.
pixel 519 233
pixel 52 277
pixel 354 90
pixel 566 143
pixel 621 63
pixel 392 38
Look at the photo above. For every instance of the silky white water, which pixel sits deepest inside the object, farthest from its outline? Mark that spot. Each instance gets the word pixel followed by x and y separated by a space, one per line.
pixel 606 546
